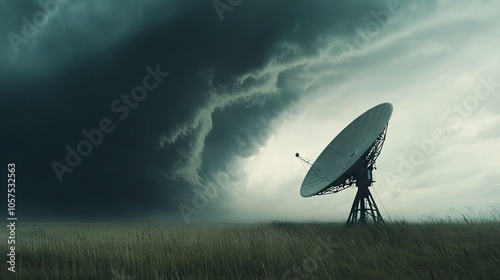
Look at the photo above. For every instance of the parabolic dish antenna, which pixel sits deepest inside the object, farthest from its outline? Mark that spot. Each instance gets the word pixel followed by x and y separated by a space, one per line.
pixel 349 160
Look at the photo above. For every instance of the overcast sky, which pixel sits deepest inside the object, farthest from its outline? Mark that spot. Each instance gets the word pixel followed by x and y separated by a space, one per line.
pixel 173 111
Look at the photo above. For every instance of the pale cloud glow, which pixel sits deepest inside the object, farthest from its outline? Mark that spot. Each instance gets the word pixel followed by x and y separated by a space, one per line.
pixel 449 54
pixel 245 94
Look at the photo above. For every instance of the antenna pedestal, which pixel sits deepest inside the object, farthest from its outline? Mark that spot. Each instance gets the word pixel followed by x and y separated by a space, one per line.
pixel 364 205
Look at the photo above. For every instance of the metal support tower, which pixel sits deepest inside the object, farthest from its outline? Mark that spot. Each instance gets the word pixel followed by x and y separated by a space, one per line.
pixel 364 205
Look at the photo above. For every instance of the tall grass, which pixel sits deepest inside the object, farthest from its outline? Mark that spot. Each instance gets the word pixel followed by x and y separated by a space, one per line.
pixel 432 249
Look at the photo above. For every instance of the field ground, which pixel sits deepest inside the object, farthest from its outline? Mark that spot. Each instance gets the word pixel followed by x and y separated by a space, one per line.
pixel 436 249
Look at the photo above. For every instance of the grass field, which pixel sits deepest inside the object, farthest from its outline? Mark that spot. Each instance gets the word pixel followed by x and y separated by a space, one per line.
pixel 436 249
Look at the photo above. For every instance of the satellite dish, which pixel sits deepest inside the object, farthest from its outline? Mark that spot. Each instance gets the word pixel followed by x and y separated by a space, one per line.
pixel 349 160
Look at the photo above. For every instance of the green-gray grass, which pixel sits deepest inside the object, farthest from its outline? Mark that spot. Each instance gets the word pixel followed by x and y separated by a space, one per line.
pixel 435 249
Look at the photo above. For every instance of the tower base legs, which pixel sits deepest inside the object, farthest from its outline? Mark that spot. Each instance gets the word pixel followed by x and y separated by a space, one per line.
pixel 363 208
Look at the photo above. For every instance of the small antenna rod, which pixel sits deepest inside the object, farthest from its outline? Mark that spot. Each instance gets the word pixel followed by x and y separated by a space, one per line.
pixel 308 162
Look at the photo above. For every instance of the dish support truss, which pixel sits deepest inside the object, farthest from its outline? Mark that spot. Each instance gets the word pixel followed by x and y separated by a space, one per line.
pixel 364 205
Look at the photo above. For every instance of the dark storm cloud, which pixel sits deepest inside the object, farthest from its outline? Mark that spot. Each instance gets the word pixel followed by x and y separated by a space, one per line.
pixel 188 130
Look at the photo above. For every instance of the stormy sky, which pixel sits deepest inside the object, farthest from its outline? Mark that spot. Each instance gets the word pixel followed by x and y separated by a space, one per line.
pixel 193 110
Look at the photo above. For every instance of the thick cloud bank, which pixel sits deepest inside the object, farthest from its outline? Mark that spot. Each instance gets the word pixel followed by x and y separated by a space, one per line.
pixel 130 109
